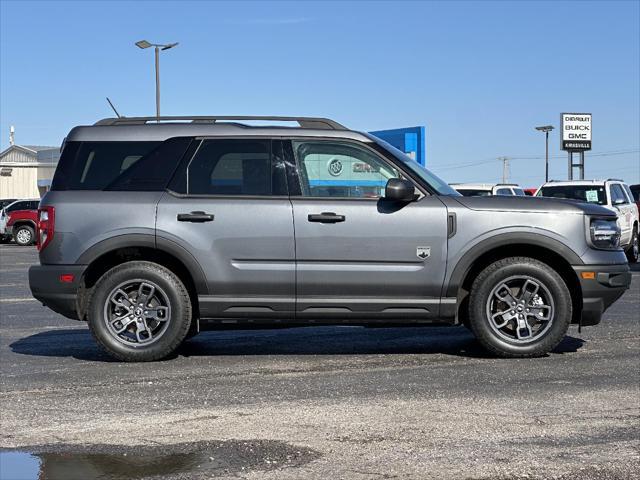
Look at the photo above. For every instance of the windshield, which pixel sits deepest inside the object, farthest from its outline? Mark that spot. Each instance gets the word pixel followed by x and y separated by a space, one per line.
pixel 585 193
pixel 440 186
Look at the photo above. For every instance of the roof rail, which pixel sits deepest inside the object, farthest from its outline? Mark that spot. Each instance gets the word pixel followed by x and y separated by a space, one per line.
pixel 304 122
pixel 615 180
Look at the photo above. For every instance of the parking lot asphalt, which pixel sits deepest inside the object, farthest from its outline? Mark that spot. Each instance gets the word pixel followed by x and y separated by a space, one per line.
pixel 322 402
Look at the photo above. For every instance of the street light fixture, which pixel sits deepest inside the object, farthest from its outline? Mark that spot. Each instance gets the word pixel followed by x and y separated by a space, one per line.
pixel 546 129
pixel 157 47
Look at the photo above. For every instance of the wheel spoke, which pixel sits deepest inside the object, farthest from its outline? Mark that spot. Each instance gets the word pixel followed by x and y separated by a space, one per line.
pixel 505 315
pixel 529 290
pixel 503 293
pixel 125 321
pixel 143 299
pixel 121 299
pixel 541 313
pixel 141 326
pixel 523 329
pixel 159 313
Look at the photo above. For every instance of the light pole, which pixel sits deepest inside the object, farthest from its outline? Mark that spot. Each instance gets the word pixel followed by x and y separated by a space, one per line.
pixel 546 129
pixel 144 44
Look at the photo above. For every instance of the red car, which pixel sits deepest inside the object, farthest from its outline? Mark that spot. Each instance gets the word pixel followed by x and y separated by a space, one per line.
pixel 18 221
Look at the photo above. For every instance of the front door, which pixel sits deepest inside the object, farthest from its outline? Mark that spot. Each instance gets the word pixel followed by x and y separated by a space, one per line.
pixel 228 208
pixel 359 256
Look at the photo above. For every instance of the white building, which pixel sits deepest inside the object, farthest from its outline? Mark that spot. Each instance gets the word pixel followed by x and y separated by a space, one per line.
pixel 26 170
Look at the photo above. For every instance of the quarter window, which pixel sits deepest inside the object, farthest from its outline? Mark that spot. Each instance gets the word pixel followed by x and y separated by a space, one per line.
pixel 504 192
pixel 337 169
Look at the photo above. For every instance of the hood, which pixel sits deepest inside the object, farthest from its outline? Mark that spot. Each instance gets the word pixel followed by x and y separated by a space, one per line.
pixel 533 204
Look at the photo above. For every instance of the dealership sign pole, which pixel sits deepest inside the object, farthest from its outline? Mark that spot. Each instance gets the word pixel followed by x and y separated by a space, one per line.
pixel 576 138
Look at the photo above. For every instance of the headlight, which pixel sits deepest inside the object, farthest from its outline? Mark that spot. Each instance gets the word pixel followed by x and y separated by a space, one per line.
pixel 605 234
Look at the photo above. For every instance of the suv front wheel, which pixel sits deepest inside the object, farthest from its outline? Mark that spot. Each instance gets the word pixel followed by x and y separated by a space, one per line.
pixel 139 311
pixel 519 307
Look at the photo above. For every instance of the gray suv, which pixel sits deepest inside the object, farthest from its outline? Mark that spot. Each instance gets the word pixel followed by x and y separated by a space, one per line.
pixel 153 231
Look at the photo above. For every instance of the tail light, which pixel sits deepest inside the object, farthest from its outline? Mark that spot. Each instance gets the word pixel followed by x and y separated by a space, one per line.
pixel 46 226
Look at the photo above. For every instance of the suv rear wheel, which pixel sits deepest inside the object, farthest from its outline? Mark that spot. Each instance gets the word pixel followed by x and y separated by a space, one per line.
pixel 139 311
pixel 519 307
pixel 24 235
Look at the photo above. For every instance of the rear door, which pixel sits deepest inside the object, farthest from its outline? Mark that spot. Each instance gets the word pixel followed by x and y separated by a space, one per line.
pixel 358 255
pixel 228 208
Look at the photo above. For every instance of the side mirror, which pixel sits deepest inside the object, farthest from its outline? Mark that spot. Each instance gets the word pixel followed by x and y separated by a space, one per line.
pixel 399 190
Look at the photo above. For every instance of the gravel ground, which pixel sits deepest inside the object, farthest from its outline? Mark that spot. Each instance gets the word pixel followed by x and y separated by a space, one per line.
pixel 314 403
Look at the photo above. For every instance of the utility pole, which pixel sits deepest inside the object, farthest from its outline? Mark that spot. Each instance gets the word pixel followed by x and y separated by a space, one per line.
pixel 505 169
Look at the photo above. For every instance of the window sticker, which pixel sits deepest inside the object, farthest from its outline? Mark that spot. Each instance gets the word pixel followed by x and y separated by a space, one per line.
pixel 592 195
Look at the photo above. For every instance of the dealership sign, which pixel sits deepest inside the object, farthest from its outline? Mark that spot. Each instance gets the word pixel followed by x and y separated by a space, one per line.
pixel 576 131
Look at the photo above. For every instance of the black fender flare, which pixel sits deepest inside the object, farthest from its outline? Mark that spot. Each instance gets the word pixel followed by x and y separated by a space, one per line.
pixel 148 241
pixel 463 266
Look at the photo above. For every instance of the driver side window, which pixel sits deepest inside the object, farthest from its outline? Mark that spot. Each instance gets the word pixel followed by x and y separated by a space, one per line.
pixel 341 169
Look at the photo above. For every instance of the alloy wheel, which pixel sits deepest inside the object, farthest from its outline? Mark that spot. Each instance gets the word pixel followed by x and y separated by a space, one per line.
pixel 520 309
pixel 137 313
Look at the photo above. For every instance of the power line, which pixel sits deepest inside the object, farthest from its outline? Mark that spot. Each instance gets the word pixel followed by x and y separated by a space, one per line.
pixel 517 157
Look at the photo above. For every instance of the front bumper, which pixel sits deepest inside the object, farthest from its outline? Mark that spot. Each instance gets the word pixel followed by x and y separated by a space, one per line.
pixel 600 292
pixel 46 287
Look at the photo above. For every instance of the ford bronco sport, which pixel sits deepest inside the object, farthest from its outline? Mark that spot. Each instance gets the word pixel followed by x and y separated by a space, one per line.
pixel 152 231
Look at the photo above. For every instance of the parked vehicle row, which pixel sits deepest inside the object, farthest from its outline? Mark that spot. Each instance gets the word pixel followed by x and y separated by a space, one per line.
pixel 153 230
pixel 18 221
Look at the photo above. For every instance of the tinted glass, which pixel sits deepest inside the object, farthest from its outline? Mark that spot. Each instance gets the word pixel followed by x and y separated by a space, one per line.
pixel 635 191
pixel 617 195
pixel 18 206
pixel 504 192
pixel 584 193
pixel 335 169
pixel 519 192
pixel 153 171
pixel 230 167
pixel 474 193
pixel 94 165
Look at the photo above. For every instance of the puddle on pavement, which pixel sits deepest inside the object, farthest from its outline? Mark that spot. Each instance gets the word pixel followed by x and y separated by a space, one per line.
pixel 129 463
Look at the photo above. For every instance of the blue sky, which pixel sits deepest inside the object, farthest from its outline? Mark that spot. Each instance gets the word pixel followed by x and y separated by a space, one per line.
pixel 479 75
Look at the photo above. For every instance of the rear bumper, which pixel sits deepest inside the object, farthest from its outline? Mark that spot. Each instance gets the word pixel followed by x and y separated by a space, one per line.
pixel 599 293
pixel 46 287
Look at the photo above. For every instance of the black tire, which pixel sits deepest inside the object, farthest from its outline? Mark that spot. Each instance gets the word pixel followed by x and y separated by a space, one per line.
pixel 179 320
pixel 24 235
pixel 633 252
pixel 502 271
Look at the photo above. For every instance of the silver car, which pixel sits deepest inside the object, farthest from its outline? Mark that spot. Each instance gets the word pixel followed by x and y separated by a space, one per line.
pixel 153 231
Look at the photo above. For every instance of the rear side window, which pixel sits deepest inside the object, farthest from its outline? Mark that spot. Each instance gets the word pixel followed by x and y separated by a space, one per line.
pixel 519 192
pixel 504 192
pixel 95 165
pixel 231 167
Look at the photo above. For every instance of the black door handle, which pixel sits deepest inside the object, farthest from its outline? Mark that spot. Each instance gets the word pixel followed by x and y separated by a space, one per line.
pixel 326 217
pixel 196 217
